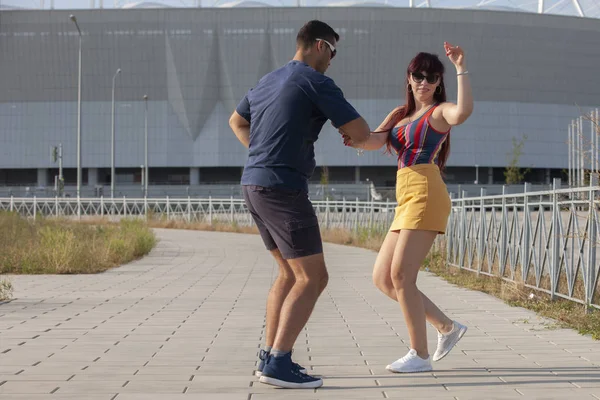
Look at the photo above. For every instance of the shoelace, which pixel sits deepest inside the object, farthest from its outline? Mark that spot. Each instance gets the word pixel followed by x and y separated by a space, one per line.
pixel 406 358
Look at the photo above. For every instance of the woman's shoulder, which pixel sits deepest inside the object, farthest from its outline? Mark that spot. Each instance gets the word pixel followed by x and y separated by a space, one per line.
pixel 443 105
pixel 436 119
pixel 439 108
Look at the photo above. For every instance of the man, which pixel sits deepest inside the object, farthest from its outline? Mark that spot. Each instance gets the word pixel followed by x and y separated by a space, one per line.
pixel 279 120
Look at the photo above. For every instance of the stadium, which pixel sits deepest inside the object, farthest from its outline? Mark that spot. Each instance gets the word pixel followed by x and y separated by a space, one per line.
pixel 177 73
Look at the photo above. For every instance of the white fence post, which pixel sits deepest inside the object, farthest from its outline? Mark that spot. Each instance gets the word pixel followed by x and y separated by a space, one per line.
pixel 482 225
pixel 189 209
pixel 592 226
pixel 343 212
pixel 503 235
pixel 371 215
pixel 327 212
pixel 463 230
pixel 449 239
pixel 554 267
pixel 210 210
pixel 526 234
pixel 356 220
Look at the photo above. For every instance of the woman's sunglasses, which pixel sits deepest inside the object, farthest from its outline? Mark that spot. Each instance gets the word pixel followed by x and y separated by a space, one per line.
pixel 418 77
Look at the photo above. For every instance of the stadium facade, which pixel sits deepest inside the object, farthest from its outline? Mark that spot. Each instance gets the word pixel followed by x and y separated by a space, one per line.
pixel 531 75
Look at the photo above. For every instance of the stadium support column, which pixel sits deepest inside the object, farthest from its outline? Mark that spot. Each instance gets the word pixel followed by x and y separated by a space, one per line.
pixel 194 176
pixel 42 177
pixel 490 175
pixel 92 177
pixel 547 176
pixel 356 174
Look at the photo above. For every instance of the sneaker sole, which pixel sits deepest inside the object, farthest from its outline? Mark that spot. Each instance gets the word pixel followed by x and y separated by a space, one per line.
pixel 290 385
pixel 460 335
pixel 428 369
pixel 259 373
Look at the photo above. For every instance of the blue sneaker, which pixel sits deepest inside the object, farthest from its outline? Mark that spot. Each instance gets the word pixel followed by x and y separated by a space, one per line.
pixel 263 355
pixel 280 371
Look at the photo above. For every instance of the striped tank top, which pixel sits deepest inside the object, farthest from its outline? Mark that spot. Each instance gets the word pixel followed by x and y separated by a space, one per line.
pixel 417 142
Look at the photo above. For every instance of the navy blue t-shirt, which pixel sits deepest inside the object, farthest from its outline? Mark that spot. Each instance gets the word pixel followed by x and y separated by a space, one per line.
pixel 286 111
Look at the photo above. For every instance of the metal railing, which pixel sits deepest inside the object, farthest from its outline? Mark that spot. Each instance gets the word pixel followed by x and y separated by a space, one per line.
pixel 547 240
pixel 343 214
pixel 331 191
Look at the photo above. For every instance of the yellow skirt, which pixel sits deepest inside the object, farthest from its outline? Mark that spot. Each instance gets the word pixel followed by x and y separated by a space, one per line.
pixel 423 199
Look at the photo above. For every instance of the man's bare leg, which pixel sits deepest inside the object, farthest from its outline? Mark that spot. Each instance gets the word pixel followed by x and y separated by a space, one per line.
pixel 279 291
pixel 310 280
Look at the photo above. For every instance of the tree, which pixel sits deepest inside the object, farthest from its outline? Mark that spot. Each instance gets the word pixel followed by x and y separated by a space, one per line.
pixel 324 175
pixel 513 174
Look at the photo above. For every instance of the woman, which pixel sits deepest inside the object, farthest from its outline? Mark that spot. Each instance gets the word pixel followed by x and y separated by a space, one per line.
pixel 419 132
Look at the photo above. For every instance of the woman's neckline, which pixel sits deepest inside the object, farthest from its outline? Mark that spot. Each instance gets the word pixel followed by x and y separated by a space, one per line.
pixel 419 117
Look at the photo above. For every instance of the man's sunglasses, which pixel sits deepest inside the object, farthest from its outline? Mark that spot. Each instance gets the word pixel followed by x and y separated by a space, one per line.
pixel 331 47
pixel 418 77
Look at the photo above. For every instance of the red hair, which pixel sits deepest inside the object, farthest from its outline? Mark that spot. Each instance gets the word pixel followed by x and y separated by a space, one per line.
pixel 430 64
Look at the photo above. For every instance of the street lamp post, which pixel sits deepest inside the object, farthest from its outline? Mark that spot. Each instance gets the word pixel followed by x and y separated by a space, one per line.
pixel 72 17
pixel 143 178
pixel 146 175
pixel 112 140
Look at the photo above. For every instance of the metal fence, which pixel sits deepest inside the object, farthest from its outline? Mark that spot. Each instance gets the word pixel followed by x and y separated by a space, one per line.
pixel 343 214
pixel 547 240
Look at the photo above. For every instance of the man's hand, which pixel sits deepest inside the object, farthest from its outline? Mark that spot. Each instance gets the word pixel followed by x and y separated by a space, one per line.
pixel 355 132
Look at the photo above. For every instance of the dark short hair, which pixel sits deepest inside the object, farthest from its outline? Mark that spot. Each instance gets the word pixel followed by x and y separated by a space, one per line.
pixel 313 30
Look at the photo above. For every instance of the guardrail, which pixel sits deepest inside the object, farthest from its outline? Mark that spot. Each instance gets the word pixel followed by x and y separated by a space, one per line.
pixel 547 240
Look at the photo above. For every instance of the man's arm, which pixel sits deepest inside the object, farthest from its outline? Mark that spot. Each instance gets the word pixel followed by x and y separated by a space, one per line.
pixel 240 121
pixel 241 128
pixel 331 101
pixel 357 130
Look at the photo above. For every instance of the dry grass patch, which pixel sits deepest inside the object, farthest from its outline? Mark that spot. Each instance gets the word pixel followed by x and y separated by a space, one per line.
pixel 568 314
pixel 60 246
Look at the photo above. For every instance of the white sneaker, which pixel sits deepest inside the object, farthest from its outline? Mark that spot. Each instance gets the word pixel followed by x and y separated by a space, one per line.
pixel 448 340
pixel 410 363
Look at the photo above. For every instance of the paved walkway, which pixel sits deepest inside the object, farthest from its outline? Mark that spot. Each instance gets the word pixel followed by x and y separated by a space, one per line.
pixel 186 323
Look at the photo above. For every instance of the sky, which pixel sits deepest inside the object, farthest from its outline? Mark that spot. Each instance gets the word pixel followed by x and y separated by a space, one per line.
pixel 66 4
pixel 590 7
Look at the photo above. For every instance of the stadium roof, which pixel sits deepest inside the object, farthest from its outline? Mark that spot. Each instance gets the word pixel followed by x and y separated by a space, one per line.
pixel 581 8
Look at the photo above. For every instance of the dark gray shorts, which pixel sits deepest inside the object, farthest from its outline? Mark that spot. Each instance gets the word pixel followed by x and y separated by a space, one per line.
pixel 285 219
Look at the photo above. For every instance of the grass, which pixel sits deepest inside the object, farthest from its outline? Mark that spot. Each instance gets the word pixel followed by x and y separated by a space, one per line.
pixel 55 246
pixel 366 238
pixel 6 289
pixel 566 313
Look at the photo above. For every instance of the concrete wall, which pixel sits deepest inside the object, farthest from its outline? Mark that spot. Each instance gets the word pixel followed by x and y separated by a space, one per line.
pixel 531 74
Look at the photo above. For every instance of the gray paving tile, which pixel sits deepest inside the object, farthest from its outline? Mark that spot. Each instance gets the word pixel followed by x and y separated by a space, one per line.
pixel 54 397
pixel 189 325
